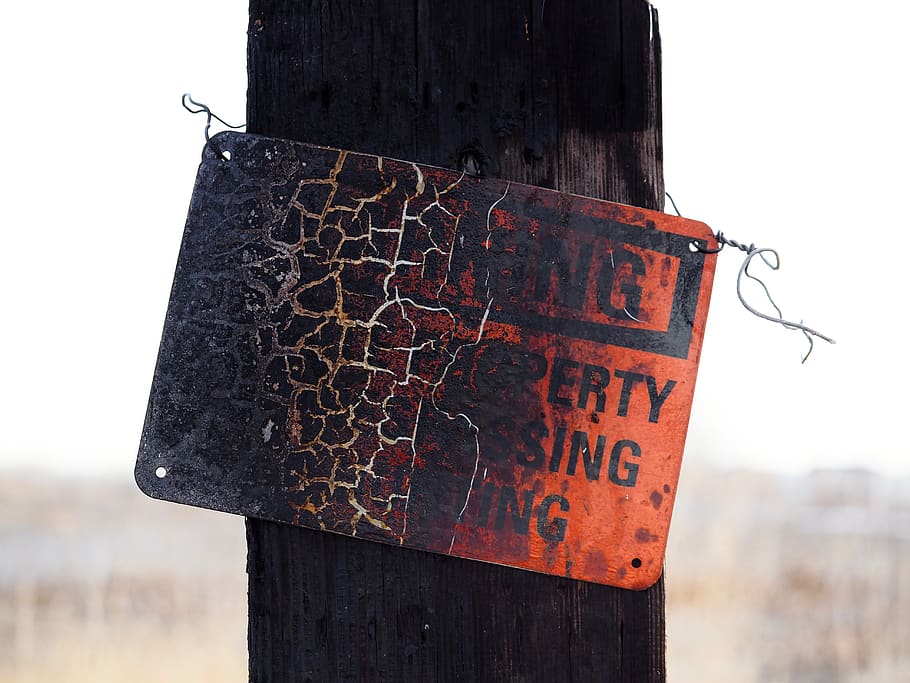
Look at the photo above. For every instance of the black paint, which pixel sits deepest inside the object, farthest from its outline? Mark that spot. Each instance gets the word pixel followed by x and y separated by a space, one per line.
pixel 559 94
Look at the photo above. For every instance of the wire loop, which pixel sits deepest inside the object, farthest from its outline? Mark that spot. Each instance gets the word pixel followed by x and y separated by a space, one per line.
pixel 808 332
pixel 209 115
pixel 751 252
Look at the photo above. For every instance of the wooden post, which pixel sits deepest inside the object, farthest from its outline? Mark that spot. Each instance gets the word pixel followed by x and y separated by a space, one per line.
pixel 559 93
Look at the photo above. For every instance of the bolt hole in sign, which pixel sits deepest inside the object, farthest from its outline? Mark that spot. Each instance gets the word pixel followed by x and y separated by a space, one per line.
pixel 411 355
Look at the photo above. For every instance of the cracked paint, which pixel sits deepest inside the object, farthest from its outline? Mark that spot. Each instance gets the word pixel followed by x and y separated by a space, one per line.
pixel 366 445
pixel 416 356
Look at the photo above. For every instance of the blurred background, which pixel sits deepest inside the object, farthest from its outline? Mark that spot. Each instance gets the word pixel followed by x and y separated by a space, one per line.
pixel 789 555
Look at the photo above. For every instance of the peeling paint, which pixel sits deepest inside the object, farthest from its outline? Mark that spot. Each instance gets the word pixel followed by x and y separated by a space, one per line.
pixel 421 357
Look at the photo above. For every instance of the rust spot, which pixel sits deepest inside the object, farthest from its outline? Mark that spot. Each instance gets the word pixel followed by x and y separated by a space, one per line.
pixel 656 500
pixel 667 488
pixel 642 535
pixel 597 563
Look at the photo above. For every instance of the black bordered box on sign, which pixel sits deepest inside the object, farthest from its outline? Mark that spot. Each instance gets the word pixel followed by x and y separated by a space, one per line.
pixel 673 341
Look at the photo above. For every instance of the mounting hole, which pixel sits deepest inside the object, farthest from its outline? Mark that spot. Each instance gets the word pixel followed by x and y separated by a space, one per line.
pixel 694 246
pixel 636 563
pixel 161 472
pixel 226 154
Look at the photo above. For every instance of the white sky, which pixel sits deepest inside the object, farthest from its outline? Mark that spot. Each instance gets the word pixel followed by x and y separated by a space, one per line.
pixel 785 125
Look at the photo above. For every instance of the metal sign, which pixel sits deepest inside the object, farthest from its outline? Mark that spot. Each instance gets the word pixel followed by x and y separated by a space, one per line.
pixel 415 356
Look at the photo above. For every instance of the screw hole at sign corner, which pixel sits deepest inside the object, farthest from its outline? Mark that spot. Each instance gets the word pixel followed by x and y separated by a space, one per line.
pixel 636 562
pixel 694 246
pixel 161 472
pixel 226 154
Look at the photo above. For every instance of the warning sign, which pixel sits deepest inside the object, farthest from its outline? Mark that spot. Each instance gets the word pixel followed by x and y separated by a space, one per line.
pixel 410 355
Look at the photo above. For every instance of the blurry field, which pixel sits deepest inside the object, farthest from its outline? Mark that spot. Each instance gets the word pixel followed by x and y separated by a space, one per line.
pixel 768 579
pixel 789 579
pixel 99 583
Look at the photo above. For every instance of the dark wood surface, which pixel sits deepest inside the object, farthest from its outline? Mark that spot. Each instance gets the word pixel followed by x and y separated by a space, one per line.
pixel 553 93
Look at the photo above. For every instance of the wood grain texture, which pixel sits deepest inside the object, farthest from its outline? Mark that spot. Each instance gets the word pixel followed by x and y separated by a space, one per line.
pixel 553 93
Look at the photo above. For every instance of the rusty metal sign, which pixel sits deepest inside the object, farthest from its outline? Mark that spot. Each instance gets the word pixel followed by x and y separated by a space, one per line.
pixel 410 355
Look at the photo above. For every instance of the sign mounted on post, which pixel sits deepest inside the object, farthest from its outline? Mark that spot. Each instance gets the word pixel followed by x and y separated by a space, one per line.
pixel 415 356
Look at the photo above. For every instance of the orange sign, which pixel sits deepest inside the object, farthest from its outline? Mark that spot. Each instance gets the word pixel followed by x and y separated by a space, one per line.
pixel 409 355
pixel 582 385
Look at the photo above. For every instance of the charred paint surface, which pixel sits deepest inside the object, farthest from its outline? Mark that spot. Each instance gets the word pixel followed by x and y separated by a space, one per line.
pixel 410 355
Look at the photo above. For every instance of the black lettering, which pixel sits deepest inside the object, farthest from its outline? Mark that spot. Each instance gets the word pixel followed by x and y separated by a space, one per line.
pixel 592 464
pixel 628 381
pixel 508 274
pixel 657 399
pixel 553 530
pixel 493 359
pixel 556 263
pixel 559 444
pixel 630 291
pixel 558 380
pixel 537 366
pixel 509 501
pixel 534 454
pixel 631 468
pixel 496 440
pixel 486 500
pixel 594 379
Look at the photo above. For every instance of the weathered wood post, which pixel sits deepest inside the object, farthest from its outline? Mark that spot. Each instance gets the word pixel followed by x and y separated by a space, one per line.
pixel 561 94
